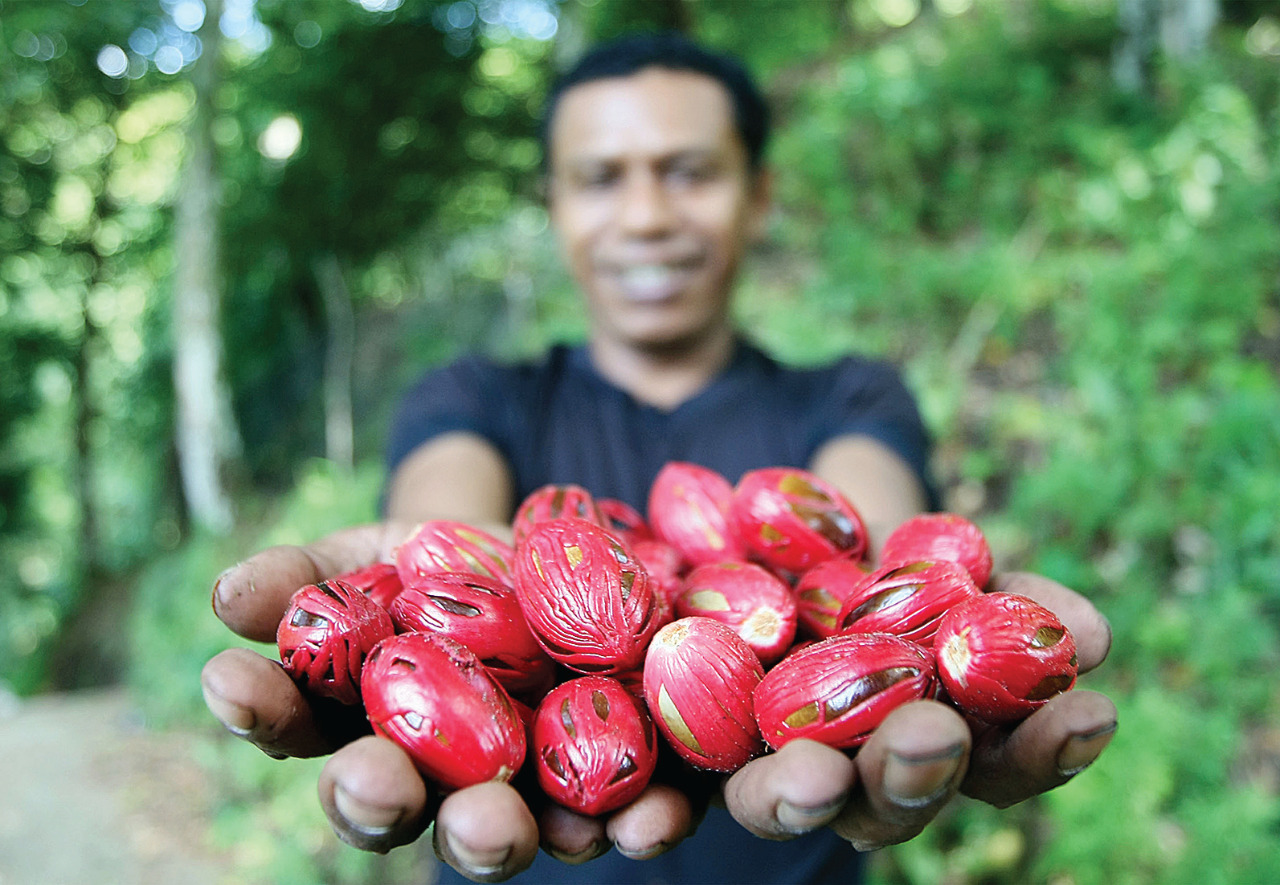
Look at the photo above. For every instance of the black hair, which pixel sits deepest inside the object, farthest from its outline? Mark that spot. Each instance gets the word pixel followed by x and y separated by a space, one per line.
pixel 674 51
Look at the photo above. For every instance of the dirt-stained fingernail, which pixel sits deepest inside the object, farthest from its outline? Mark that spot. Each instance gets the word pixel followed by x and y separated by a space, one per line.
pixel 592 851
pixel 238 720
pixel 477 863
pixel 1081 749
pixel 369 820
pixel 649 851
pixel 915 781
pixel 803 818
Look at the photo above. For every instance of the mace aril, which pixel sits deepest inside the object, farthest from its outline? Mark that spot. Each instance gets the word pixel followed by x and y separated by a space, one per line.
pixel 445 545
pixel 949 536
pixel 790 519
pixel 839 690
pixel 747 598
pixel 552 501
pixel 624 520
pixel 435 699
pixel 484 615
pixel 379 581
pixel 325 635
pixel 1001 656
pixel 594 745
pixel 906 599
pixel 585 596
pixel 689 509
pixel 699 677
pixel 821 592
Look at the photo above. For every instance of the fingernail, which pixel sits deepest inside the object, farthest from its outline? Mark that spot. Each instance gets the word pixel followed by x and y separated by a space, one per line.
pixel 1081 749
pixel 237 719
pixel 477 863
pixel 803 818
pixel 592 851
pixel 221 589
pixel 369 820
pixel 642 853
pixel 914 781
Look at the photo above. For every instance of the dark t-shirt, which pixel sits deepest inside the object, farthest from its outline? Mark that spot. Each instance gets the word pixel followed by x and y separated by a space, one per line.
pixel 556 420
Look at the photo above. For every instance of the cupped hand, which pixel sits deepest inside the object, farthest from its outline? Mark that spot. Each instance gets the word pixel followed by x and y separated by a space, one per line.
pixel 369 788
pixel 925 752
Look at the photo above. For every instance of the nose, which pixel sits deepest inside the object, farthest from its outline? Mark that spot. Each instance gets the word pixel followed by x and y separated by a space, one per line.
pixel 646 209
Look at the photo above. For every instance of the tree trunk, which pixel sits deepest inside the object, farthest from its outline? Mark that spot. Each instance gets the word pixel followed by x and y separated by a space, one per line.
pixel 207 438
pixel 1178 28
pixel 339 357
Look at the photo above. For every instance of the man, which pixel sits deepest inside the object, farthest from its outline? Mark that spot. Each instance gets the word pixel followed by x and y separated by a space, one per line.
pixel 655 187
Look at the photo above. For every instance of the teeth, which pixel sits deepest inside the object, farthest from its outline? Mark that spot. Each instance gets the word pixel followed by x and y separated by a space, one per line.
pixel 648 276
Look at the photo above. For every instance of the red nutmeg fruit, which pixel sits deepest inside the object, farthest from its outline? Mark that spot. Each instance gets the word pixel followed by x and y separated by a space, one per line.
pixel 553 501
pixel 932 536
pixel 839 690
pixel 699 677
pixel 1002 656
pixel 484 615
pixel 594 745
pixel 689 509
pixel 585 596
pixel 444 545
pixel 821 593
pixel 749 599
pixel 906 599
pixel 433 697
pixel 790 519
pixel 379 581
pixel 325 635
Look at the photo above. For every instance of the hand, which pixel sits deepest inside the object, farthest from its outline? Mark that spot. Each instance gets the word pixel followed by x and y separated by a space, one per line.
pixel 924 752
pixel 369 789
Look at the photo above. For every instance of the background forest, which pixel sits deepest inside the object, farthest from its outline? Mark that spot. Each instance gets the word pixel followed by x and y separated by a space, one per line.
pixel 231 233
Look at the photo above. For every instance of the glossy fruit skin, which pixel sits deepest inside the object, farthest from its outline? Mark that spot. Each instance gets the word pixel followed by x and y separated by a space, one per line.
pixel 484 615
pixel 444 545
pixel 379 581
pixel 747 598
pixel 325 635
pixel 689 509
pixel 550 502
pixel 594 745
pixel 821 592
pixel 432 696
pixel 839 690
pixel 585 596
pixel 1001 656
pixel 907 599
pixel 624 520
pixel 699 677
pixel 790 520
pixel 948 536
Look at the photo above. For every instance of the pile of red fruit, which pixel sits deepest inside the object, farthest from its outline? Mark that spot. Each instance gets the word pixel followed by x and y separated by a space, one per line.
pixel 733 618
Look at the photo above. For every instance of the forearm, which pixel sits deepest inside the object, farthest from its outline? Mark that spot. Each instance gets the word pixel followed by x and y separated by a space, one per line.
pixel 880 484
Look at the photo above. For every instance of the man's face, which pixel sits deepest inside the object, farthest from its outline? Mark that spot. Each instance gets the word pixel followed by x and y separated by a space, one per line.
pixel 651 194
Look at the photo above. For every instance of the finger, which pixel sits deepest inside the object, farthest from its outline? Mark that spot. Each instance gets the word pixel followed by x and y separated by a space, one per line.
pixel 255 699
pixel 373 796
pixel 486 832
pixel 251 597
pixel 1044 751
pixel 659 819
pixel 571 837
pixel 907 771
pixel 1088 626
pixel 801 787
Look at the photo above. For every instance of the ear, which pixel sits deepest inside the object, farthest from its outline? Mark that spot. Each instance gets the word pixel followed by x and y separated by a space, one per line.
pixel 761 196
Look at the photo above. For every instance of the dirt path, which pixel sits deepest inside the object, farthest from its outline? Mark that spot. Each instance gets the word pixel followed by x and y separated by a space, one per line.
pixel 87 795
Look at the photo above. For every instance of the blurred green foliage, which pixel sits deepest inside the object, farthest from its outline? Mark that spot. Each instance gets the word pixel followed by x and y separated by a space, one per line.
pixel 1081 284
